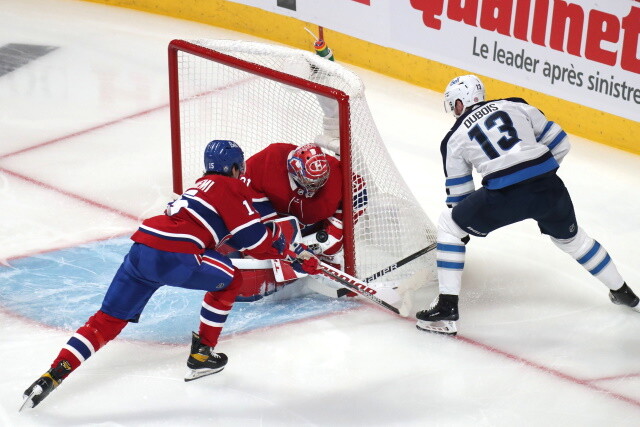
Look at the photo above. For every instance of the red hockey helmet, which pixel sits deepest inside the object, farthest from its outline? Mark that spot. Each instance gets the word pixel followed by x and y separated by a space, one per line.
pixel 309 168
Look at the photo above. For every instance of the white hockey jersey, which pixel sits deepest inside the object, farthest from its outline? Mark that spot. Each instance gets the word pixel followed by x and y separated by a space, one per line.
pixel 506 140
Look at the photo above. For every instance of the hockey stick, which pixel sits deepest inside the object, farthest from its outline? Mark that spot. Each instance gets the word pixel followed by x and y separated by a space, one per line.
pixel 355 285
pixel 400 263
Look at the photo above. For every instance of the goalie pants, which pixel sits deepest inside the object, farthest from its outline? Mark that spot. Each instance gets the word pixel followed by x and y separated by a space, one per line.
pixel 544 199
pixel 143 271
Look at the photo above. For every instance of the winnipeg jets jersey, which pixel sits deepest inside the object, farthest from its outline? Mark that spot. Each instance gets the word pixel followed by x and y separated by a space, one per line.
pixel 506 140
pixel 217 209
pixel 276 193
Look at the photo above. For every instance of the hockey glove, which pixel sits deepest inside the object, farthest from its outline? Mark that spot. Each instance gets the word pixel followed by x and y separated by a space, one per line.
pixel 308 266
pixel 298 252
pixel 284 232
pixel 278 239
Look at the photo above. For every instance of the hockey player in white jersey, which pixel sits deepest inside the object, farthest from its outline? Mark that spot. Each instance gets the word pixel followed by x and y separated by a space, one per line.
pixel 517 151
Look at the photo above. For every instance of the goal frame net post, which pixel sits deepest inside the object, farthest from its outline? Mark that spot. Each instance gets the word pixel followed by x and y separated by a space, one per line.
pixel 254 62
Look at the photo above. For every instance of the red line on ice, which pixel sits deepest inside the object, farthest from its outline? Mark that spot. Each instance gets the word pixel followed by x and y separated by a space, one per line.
pixel 71 195
pixel 84 131
pixel 550 371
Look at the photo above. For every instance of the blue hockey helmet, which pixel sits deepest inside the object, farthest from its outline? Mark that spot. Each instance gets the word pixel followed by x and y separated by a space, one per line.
pixel 221 156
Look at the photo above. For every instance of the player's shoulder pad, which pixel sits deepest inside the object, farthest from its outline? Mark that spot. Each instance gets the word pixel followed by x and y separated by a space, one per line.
pixel 520 101
pixel 517 99
pixel 334 164
pixel 281 146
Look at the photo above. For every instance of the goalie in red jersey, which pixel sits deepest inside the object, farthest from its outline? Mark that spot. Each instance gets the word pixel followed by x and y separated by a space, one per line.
pixel 303 181
pixel 181 248
pixel 306 183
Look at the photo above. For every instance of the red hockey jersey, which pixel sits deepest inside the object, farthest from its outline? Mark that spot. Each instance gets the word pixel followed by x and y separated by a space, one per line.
pixel 216 209
pixel 266 174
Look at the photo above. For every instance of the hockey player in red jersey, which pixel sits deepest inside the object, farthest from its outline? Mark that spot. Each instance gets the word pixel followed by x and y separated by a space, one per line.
pixel 178 249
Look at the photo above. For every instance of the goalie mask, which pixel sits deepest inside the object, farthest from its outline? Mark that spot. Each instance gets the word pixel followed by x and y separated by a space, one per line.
pixel 468 89
pixel 308 167
pixel 220 156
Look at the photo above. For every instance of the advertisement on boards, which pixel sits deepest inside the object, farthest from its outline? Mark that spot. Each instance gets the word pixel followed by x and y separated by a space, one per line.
pixel 587 52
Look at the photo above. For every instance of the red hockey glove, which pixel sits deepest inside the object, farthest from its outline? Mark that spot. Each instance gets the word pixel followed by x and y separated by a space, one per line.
pixel 297 252
pixel 309 266
pixel 278 239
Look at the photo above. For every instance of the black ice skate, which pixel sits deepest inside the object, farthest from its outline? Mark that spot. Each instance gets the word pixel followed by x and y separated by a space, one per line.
pixel 625 296
pixel 441 316
pixel 203 360
pixel 45 385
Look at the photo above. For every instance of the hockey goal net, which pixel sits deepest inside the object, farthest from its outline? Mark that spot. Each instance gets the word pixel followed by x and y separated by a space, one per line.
pixel 257 94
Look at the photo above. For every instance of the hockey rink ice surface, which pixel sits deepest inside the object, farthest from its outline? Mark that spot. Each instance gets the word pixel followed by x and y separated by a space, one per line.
pixel 84 155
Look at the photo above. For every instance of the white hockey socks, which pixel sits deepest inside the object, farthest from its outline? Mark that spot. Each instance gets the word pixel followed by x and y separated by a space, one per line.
pixel 593 257
pixel 450 254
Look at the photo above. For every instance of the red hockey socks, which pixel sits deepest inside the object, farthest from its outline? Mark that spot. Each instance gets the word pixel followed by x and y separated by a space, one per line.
pixel 216 306
pixel 99 330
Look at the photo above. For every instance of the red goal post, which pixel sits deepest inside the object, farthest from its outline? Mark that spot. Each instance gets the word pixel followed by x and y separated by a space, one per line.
pixel 257 94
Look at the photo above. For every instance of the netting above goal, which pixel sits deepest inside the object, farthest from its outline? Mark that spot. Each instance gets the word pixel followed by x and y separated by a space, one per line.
pixel 257 94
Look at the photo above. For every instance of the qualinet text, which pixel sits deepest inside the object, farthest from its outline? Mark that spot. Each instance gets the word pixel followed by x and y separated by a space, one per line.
pixel 536 21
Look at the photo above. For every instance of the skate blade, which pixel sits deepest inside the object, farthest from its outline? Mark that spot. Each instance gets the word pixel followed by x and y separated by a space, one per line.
pixel 444 327
pixel 28 401
pixel 194 374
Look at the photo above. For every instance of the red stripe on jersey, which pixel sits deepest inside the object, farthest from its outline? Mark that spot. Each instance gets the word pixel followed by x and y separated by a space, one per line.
pixel 220 265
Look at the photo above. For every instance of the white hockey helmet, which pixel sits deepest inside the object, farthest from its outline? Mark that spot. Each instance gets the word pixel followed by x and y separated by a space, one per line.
pixel 468 89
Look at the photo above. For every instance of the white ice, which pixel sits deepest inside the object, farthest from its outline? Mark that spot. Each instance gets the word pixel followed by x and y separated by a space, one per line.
pixel 539 344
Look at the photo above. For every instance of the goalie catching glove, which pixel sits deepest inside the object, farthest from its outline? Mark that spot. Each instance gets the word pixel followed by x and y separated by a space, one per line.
pixel 285 233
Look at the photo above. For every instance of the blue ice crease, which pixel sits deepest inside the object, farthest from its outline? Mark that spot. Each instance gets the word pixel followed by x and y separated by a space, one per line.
pixel 65 287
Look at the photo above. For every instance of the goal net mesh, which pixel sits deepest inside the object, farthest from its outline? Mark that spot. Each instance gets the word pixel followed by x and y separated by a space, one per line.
pixel 218 101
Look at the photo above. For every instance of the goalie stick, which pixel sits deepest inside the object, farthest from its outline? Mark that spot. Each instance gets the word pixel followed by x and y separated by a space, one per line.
pixel 355 285
pixel 400 263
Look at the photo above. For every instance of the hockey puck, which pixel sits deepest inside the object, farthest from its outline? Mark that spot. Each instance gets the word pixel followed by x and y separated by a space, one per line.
pixel 322 236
